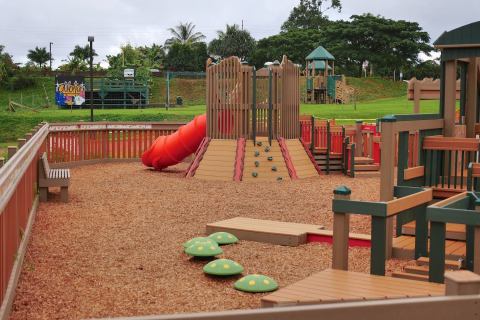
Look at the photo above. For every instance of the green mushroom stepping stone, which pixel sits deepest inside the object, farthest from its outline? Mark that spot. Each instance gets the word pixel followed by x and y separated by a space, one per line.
pixel 223 267
pixel 198 240
pixel 254 174
pixel 223 238
pixel 257 153
pixel 256 283
pixel 204 250
pixel 257 164
pixel 270 158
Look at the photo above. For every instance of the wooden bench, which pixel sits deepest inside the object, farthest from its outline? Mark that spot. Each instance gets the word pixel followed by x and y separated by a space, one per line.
pixel 52 178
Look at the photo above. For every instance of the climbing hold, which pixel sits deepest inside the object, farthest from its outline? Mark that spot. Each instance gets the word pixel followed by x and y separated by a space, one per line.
pixel 279 179
pixel 274 169
pixel 257 164
pixel 254 174
pixel 270 158
pixel 257 153
pixel 259 143
pixel 267 149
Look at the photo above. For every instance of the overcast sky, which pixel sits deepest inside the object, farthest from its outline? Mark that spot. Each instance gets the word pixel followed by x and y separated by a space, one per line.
pixel 25 24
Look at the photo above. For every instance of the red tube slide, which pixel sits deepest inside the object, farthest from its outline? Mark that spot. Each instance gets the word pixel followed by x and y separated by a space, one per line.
pixel 169 150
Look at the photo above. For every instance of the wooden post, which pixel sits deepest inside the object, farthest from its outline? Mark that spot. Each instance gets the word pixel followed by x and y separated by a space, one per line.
pixel 28 136
pixel 387 171
pixel 416 96
pixel 341 229
pixel 476 243
pixel 21 142
pixel 11 151
pixel 450 93
pixel 471 98
pixel 437 252
pixel 358 138
pixel 461 283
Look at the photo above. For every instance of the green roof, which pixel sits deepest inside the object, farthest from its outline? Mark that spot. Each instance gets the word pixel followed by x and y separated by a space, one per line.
pixel 320 54
pixel 319 65
pixel 466 35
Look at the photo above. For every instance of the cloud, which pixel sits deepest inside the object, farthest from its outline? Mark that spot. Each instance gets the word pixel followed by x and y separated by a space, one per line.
pixel 28 23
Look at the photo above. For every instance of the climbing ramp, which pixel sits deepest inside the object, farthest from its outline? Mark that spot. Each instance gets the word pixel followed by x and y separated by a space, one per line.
pixel 246 160
pixel 217 162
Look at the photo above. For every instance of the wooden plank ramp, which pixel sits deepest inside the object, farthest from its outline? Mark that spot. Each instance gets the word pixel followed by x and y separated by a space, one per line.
pixel 218 162
pixel 301 161
pixel 274 232
pixel 454 231
pixel 404 248
pixel 331 286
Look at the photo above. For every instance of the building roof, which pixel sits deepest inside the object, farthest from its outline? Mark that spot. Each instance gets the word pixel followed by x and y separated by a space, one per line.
pixel 320 54
pixel 319 65
pixel 465 36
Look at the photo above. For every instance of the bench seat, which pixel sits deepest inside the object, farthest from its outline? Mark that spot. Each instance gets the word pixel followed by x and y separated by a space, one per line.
pixel 52 178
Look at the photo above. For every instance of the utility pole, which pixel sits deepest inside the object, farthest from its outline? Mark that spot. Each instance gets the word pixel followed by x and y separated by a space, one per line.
pixel 51 56
pixel 91 39
pixel 242 24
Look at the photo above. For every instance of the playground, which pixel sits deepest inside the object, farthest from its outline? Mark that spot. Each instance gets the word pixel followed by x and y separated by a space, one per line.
pixel 253 209
pixel 87 252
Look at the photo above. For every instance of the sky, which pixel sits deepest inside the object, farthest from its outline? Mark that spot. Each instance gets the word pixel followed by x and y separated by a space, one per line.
pixel 25 24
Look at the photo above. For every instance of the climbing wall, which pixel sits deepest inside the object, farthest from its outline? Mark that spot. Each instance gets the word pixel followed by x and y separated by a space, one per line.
pixel 304 168
pixel 265 170
pixel 218 162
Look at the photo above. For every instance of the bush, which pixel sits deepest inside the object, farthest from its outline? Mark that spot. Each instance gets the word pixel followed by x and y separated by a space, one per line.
pixel 20 82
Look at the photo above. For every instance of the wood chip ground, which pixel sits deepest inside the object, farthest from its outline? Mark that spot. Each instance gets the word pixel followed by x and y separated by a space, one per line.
pixel 115 249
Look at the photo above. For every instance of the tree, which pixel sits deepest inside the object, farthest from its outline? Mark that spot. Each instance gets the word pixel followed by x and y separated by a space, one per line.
pixel 39 56
pixel 184 33
pixel 387 44
pixel 310 14
pixel 7 66
pixel 186 57
pixel 233 42
pixel 82 53
pixel 296 44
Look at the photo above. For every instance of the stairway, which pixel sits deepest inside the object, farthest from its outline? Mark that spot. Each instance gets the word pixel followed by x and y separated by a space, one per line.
pixel 419 270
pixel 366 164
pixel 335 161
pixel 219 161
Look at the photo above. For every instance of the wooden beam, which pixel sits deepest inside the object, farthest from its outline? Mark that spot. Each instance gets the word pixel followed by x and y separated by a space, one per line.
pixel 450 200
pixel 450 97
pixel 461 283
pixel 471 97
pixel 412 173
pixel 409 202
pixel 419 125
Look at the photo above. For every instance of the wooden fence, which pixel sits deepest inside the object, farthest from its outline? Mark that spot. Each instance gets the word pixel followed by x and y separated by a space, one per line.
pixel 103 141
pixel 18 202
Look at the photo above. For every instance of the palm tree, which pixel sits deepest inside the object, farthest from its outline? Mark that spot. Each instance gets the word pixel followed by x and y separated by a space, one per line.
pixel 39 56
pixel 82 53
pixel 184 33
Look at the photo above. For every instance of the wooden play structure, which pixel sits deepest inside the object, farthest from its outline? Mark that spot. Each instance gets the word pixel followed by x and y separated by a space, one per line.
pixel 252 125
pixel 323 86
pixel 426 89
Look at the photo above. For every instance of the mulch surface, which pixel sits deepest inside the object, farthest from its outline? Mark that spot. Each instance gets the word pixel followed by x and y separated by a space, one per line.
pixel 116 248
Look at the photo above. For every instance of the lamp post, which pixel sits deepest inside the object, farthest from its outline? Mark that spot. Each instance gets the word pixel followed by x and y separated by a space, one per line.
pixel 51 56
pixel 91 39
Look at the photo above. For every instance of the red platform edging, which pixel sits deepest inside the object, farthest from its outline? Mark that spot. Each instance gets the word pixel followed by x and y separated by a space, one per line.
pixel 310 156
pixel 239 159
pixel 198 158
pixel 329 239
pixel 288 160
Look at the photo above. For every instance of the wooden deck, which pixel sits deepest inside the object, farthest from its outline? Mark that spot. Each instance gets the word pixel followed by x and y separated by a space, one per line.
pixel 275 232
pixel 332 286
pixel 404 248
pixel 301 162
pixel 454 231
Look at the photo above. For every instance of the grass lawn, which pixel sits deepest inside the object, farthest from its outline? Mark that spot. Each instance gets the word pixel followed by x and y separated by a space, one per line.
pixel 15 125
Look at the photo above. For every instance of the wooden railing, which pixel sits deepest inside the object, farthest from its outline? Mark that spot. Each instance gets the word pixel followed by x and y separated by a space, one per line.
pixel 103 141
pixel 18 201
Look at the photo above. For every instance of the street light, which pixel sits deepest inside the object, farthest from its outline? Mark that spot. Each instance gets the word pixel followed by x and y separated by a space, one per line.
pixel 91 39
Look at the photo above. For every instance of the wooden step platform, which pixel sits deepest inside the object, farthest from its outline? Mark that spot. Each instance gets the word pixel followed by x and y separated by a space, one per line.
pixel 449 264
pixel 277 232
pixel 332 286
pixel 454 231
pixel 363 160
pixel 367 167
pixel 411 276
pixel 218 161
pixel 404 248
